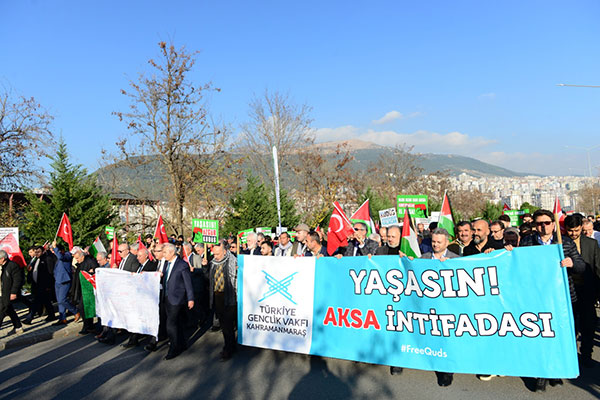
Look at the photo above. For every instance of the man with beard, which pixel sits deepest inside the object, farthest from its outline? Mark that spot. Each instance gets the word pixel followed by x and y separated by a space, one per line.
pixel 586 286
pixel 463 239
pixel 222 292
pixel 392 246
pixel 481 242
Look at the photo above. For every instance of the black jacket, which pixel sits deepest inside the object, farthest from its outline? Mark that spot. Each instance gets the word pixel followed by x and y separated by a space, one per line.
pixel 45 273
pixel 12 280
pixel 370 247
pixel 150 266
pixel 490 244
pixel 89 264
pixel 587 282
pixel 569 250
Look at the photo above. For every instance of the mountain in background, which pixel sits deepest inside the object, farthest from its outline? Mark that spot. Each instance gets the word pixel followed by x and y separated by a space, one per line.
pixel 152 179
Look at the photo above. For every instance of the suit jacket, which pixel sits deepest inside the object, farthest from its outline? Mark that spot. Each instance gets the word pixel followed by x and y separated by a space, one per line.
pixel 149 266
pixel 302 247
pixel 12 280
pixel 370 247
pixel 449 254
pixel 586 282
pixel 254 252
pixel 89 265
pixel 45 280
pixel 131 263
pixel 62 269
pixel 178 284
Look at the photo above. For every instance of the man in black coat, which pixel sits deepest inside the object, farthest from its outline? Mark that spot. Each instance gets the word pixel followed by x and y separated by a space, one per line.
pixel 87 263
pixel 545 235
pixel 11 280
pixel 359 244
pixel 392 245
pixel 482 242
pixel 586 286
pixel 177 292
pixel 40 276
pixel 128 262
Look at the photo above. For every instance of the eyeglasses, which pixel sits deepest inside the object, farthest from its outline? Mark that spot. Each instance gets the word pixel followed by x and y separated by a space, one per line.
pixel 122 251
pixel 359 229
pixel 547 223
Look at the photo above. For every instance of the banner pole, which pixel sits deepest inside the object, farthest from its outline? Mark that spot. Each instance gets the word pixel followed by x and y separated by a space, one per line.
pixel 276 168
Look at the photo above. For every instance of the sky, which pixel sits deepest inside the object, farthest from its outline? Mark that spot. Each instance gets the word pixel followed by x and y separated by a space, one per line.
pixel 463 77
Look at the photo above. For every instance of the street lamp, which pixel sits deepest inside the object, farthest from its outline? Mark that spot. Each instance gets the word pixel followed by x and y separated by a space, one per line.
pixel 566 84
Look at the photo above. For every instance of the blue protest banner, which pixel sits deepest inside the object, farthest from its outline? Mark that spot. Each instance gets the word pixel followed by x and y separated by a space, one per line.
pixel 504 313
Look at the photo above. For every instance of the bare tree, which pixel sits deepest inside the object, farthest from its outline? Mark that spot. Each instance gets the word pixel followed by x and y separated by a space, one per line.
pixel 25 137
pixel 396 172
pixel 589 198
pixel 275 121
pixel 169 120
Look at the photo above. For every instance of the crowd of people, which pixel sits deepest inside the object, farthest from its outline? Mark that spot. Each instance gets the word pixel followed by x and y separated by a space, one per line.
pixel 198 283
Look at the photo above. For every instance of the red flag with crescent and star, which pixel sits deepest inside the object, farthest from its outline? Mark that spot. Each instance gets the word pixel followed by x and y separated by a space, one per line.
pixel 141 245
pixel 340 228
pixel 160 231
pixel 64 231
pixel 10 245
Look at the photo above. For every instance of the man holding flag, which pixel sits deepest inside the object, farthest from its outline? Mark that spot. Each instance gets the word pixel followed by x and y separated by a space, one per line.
pixel 62 283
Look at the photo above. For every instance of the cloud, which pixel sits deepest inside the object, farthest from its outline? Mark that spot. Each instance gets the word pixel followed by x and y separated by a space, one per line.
pixel 394 115
pixel 488 96
pixel 422 140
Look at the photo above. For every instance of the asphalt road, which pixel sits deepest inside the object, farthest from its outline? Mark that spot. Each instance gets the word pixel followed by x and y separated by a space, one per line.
pixel 79 367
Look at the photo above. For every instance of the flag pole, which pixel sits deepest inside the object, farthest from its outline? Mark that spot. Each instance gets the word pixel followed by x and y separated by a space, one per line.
pixel 276 168
pixel 558 233
pixel 59 224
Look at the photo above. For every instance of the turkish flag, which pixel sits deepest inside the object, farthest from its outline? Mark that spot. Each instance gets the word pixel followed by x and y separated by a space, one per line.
pixel 557 211
pixel 505 208
pixel 340 228
pixel 141 245
pixel 10 246
pixel 115 257
pixel 160 231
pixel 64 231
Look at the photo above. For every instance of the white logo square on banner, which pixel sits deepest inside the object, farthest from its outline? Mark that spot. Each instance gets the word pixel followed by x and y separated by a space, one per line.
pixel 278 294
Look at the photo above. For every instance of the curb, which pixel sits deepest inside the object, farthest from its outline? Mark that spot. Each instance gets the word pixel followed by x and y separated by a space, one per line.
pixel 26 339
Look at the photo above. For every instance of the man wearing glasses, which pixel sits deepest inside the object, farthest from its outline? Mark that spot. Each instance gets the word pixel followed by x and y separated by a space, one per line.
pixel 128 262
pixel 359 244
pixel 545 235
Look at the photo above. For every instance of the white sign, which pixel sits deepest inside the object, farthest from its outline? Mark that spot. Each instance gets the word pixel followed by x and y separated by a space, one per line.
pixel 277 305
pixel 128 301
pixel 388 217
pixel 6 231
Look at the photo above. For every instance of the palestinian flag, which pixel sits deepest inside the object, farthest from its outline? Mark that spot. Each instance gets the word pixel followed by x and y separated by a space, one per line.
pixel 88 292
pixel 409 244
pixel 96 247
pixel 446 221
pixel 363 215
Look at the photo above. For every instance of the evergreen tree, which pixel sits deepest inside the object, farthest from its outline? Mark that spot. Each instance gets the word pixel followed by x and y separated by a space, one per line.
pixel 256 206
pixel 492 211
pixel 74 192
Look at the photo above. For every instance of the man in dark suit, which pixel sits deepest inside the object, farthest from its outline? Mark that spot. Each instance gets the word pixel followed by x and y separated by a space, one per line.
pixel 83 262
pixel 586 286
pixel 128 262
pixel 41 280
pixel 62 283
pixel 11 280
pixel 177 292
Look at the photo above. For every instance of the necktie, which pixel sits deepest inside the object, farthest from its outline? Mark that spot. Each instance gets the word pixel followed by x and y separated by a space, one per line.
pixel 219 279
pixel 167 270
pixel 35 270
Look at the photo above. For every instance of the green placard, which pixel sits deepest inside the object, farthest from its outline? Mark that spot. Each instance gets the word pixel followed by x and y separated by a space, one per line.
pixel 417 205
pixel 243 235
pixel 110 232
pixel 206 230
pixel 516 216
